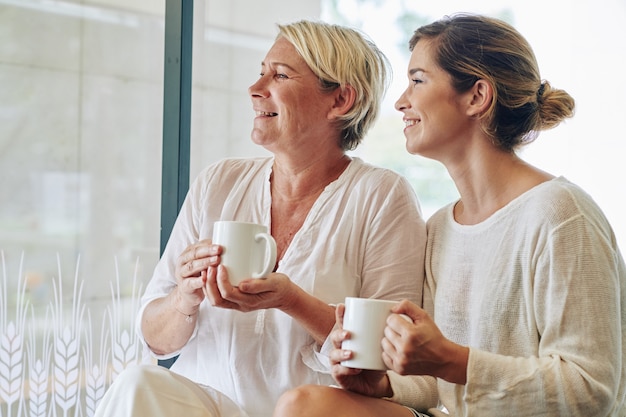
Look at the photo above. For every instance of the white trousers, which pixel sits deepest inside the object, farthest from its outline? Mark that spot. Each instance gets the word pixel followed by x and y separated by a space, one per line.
pixel 154 391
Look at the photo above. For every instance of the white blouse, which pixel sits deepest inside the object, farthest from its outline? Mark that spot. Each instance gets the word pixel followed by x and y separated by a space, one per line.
pixel 364 237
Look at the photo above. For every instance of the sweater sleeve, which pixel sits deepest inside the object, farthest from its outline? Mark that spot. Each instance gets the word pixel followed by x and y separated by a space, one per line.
pixel 417 392
pixel 578 369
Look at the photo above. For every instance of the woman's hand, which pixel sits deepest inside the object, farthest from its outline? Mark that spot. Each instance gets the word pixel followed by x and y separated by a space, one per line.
pixel 362 381
pixel 191 274
pixel 275 291
pixel 417 347
pixel 164 330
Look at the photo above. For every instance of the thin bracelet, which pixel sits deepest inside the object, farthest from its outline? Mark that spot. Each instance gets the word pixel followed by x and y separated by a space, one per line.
pixel 188 319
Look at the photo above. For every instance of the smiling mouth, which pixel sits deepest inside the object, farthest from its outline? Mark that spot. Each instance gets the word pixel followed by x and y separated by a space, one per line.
pixel 411 122
pixel 266 114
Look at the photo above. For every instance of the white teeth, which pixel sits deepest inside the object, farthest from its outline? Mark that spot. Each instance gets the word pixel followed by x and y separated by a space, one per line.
pixel 265 113
pixel 410 122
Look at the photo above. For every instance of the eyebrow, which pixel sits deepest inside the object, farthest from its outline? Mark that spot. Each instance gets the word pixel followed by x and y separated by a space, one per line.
pixel 278 64
pixel 412 71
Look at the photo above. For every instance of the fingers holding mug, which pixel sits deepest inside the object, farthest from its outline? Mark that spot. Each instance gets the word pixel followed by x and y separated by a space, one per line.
pixel 196 258
pixel 216 285
pixel 365 319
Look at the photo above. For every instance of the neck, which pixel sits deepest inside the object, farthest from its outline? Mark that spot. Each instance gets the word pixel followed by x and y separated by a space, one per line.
pixel 300 181
pixel 488 184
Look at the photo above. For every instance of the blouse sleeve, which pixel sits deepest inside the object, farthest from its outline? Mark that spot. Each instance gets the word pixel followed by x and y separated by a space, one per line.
pixel 393 264
pixel 391 248
pixel 184 233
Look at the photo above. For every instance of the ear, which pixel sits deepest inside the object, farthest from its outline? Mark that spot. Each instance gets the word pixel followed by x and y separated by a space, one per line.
pixel 479 98
pixel 344 100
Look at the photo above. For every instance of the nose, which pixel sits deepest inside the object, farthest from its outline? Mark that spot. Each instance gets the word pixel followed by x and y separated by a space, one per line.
pixel 258 88
pixel 402 103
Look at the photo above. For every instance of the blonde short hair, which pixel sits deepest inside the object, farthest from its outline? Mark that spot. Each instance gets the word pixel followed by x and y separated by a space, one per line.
pixel 342 56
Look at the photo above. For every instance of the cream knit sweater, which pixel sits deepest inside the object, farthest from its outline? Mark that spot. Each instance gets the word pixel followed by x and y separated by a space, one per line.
pixel 538 293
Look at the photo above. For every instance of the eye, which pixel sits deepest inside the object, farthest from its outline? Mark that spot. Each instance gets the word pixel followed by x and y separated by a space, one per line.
pixel 281 76
pixel 416 81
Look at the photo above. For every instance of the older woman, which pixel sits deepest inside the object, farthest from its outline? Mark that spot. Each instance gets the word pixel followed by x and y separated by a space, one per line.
pixel 525 294
pixel 342 228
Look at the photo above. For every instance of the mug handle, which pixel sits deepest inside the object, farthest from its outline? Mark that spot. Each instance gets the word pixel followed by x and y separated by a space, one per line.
pixel 270 260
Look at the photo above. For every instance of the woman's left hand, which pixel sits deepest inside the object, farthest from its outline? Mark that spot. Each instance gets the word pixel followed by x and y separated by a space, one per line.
pixel 363 381
pixel 417 346
pixel 275 291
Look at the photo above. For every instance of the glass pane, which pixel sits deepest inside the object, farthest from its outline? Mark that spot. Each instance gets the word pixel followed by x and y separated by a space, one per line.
pixel 80 162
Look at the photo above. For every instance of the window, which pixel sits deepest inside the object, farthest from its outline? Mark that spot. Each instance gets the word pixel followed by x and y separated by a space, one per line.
pixel 81 119
pixel 579 49
pixel 80 162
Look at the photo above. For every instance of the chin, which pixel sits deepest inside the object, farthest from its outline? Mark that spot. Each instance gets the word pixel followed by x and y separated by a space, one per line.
pixel 258 138
pixel 411 148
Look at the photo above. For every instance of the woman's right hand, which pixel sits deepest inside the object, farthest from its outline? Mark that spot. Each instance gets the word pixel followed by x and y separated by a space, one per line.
pixel 165 331
pixel 191 274
pixel 363 381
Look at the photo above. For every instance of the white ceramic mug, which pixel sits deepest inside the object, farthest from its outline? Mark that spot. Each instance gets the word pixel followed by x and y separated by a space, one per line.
pixel 365 319
pixel 248 250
